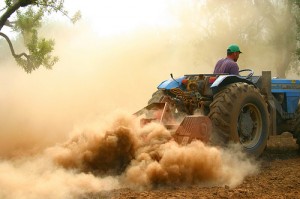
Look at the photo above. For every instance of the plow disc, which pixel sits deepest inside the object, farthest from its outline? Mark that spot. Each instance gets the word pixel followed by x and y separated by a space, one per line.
pixel 184 130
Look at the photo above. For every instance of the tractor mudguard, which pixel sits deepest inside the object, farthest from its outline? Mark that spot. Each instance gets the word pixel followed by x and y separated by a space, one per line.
pixel 224 80
pixel 171 83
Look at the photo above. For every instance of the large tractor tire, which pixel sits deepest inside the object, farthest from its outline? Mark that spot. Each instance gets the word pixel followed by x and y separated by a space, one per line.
pixel 296 130
pixel 297 135
pixel 239 114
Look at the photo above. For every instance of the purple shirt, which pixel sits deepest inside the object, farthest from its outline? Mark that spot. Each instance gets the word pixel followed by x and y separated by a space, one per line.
pixel 227 65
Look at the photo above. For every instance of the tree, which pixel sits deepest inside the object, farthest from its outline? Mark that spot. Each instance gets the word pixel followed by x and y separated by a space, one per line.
pixel 280 26
pixel 266 30
pixel 27 17
pixel 297 16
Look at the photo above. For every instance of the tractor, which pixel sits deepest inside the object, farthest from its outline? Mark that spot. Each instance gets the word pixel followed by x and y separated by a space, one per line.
pixel 223 108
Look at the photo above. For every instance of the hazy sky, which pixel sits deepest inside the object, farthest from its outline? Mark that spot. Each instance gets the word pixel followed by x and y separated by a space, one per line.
pixel 117 16
pixel 96 73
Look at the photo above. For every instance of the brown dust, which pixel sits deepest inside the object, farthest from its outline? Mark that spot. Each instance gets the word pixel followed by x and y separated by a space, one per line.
pixel 58 138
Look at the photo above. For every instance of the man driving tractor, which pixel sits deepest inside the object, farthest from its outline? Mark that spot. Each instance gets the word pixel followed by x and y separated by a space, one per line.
pixel 228 65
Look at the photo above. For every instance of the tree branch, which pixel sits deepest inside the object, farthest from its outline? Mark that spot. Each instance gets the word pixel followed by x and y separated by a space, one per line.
pixel 16 56
pixel 25 3
pixel 10 10
pixel 64 13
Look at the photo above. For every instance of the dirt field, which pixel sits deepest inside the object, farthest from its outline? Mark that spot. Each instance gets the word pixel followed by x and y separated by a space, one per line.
pixel 279 177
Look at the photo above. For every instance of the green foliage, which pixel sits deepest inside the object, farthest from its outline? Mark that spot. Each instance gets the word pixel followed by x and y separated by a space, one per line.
pixel 8 2
pixel 40 54
pixel 39 48
pixel 28 21
pixel 297 2
pixel 76 17
pixel 52 5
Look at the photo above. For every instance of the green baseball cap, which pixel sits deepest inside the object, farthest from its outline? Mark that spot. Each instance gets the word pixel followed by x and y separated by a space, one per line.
pixel 233 48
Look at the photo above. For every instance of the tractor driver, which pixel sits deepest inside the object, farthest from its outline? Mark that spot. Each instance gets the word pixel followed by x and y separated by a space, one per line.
pixel 228 64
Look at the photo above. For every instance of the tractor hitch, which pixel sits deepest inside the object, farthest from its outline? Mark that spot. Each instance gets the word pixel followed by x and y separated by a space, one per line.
pixel 184 129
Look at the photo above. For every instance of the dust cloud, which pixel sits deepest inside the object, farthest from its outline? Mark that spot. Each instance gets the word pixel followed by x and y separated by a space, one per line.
pixel 148 157
pixel 49 148
pixel 118 153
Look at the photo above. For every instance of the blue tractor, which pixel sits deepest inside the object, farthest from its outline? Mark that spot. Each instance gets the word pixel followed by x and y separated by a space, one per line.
pixel 222 108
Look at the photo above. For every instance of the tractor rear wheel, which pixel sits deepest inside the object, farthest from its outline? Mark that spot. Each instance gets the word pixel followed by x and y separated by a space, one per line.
pixel 239 114
pixel 297 136
pixel 296 130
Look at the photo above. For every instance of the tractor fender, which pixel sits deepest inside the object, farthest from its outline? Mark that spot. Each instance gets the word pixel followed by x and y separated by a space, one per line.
pixel 225 80
pixel 171 83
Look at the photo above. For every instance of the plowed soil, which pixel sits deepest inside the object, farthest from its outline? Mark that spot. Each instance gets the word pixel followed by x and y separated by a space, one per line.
pixel 279 177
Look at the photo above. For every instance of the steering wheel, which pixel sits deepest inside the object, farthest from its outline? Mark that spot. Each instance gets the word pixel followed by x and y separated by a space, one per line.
pixel 251 72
